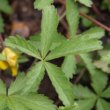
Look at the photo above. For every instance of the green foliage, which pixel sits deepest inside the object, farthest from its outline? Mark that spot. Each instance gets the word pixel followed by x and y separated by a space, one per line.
pixel 72 15
pixel 87 99
pixel 40 4
pixel 105 5
pixel 73 107
pixel 61 84
pixel 1 25
pixel 22 93
pixel 75 46
pixel 22 45
pixel 85 2
pixel 48 28
pixel 69 66
pixel 15 98
pixel 5 7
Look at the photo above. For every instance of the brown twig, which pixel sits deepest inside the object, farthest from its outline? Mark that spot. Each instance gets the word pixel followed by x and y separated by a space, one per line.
pixel 88 17
pixel 80 76
pixel 95 22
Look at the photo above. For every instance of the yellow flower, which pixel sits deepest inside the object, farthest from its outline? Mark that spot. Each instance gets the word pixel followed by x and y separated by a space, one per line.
pixel 10 62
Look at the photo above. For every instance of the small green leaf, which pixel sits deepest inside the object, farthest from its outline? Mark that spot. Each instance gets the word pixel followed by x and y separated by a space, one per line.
pixel 72 15
pixel 22 45
pixel 103 105
pixel 99 81
pixel 89 64
pixel 5 7
pixel 33 78
pixel 61 84
pixel 106 93
pixel 49 27
pixel 69 66
pixel 75 106
pixel 86 2
pixel 40 4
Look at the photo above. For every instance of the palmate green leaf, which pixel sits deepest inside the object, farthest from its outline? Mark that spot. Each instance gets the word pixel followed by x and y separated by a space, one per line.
pixel 30 102
pixel 40 4
pixel 17 85
pixel 33 78
pixel 72 15
pixel 2 88
pixel 89 64
pixel 22 45
pixel 5 7
pixel 86 98
pixel 69 66
pixel 86 2
pixel 99 81
pixel 86 104
pixel 103 105
pixel 106 93
pixel 81 92
pixel 75 46
pixel 1 25
pixel 61 84
pixel 49 27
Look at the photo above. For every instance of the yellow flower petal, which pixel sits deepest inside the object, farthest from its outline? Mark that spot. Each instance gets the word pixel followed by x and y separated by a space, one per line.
pixel 3 65
pixel 11 56
pixel 14 70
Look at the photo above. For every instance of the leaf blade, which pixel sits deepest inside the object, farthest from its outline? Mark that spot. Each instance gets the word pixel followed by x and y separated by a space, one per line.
pixel 22 45
pixel 40 4
pixel 33 78
pixel 48 28
pixel 72 15
pixel 99 83
pixel 35 102
pixel 74 46
pixel 103 105
pixel 61 84
pixel 69 66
